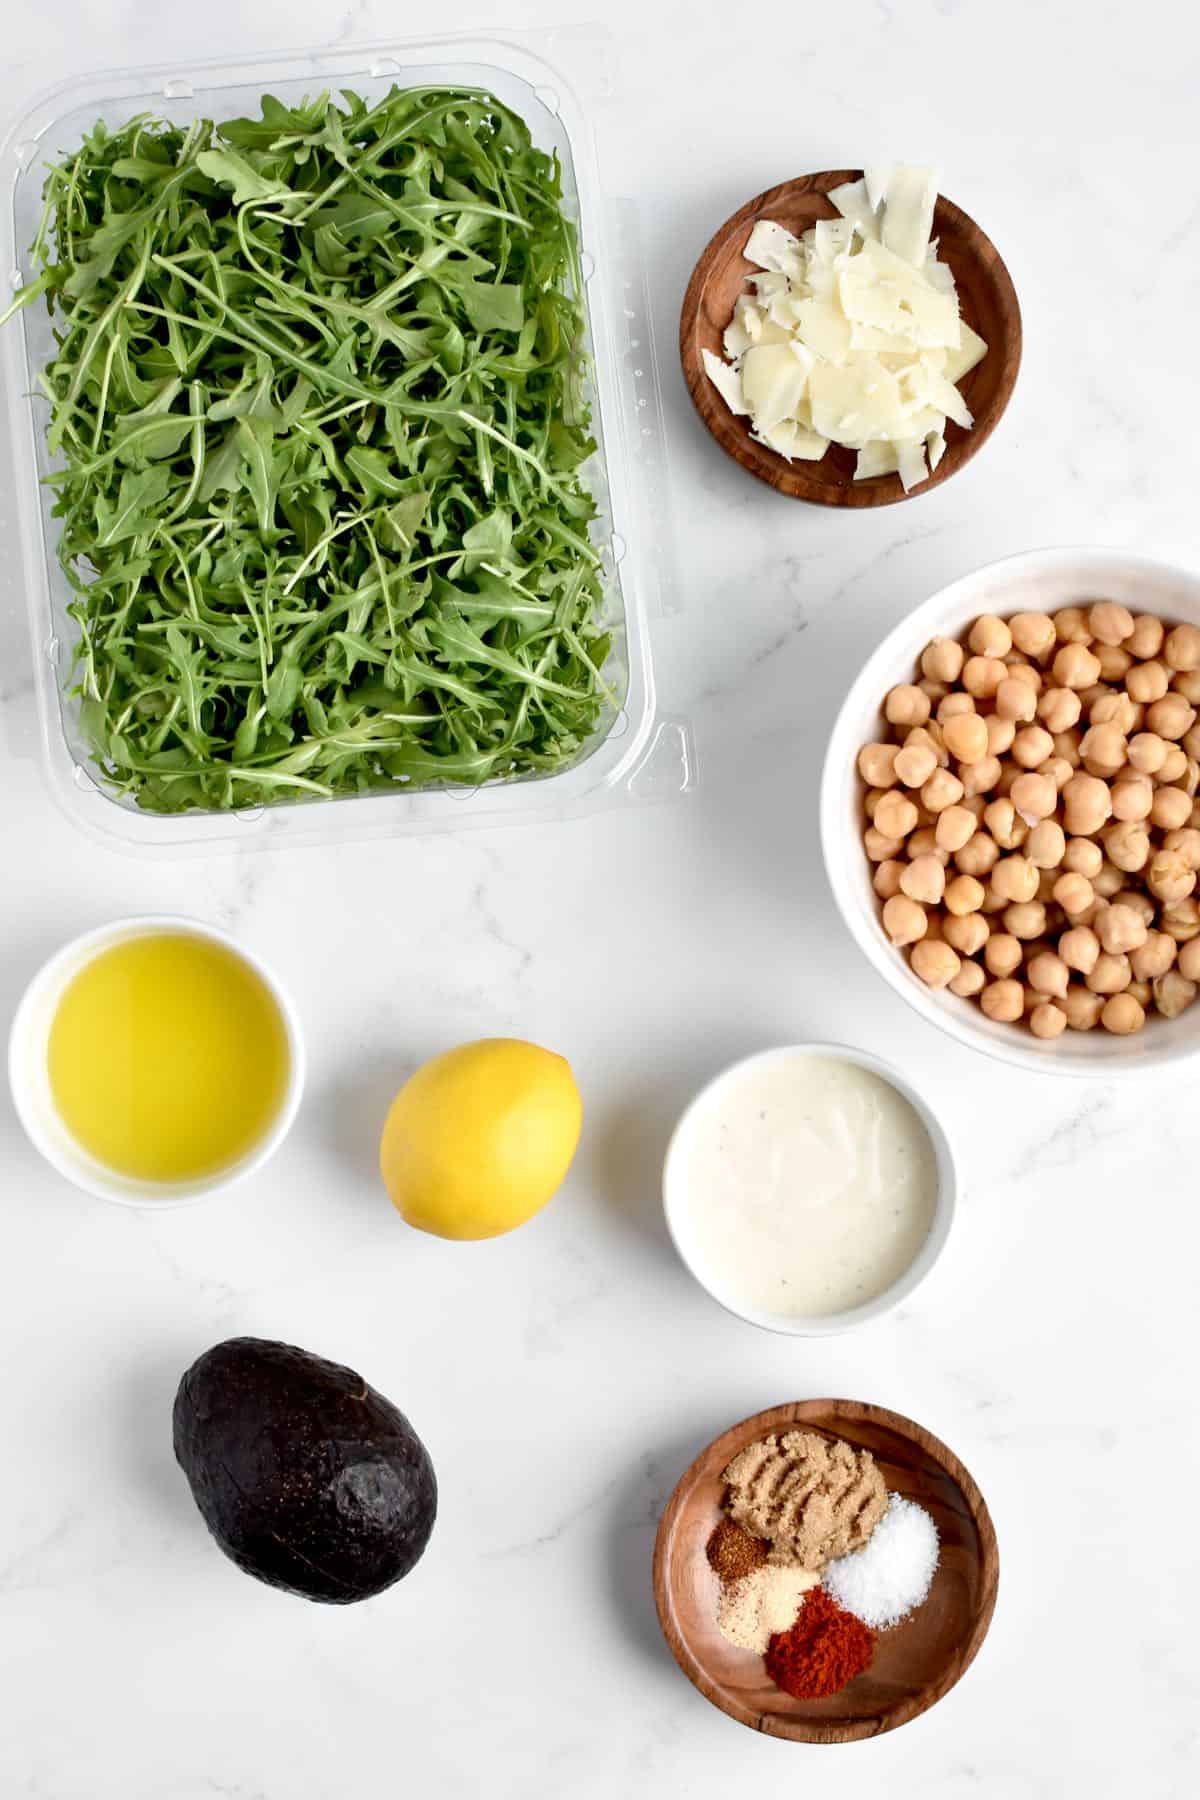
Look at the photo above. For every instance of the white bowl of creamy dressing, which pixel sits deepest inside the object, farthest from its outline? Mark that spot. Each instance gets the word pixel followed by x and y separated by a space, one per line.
pixel 809 1189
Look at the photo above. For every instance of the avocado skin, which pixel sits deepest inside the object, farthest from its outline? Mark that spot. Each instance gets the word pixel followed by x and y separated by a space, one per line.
pixel 306 1477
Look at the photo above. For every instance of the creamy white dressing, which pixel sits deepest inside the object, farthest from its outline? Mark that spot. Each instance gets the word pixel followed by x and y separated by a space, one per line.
pixel 803 1185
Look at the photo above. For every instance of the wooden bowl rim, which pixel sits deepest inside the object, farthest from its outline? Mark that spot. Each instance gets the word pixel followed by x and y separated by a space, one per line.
pixel 799 481
pixel 818 1413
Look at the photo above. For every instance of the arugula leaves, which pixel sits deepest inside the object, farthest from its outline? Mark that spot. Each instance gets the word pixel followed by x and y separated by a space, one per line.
pixel 317 394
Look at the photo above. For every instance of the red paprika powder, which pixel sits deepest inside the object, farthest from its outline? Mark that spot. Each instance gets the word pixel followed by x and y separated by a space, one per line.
pixel 825 1648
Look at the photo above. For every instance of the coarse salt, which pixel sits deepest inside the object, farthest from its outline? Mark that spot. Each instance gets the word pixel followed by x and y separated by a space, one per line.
pixel 891 1575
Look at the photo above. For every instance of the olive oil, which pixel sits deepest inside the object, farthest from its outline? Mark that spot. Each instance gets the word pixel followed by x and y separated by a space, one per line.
pixel 168 1057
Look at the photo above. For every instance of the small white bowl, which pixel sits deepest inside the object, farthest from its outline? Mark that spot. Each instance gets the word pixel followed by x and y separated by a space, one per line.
pixel 28 1071
pixel 826 1324
pixel 1038 581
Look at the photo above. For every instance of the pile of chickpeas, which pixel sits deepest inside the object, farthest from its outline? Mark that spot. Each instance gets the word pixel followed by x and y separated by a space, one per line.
pixel 1032 819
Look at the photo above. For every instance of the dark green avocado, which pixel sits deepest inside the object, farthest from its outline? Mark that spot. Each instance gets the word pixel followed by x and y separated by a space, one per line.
pixel 306 1477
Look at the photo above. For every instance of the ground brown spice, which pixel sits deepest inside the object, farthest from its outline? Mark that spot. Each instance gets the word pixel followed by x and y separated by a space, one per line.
pixel 733 1552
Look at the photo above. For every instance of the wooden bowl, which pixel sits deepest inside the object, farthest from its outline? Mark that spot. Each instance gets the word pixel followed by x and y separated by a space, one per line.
pixel 915 1663
pixel 987 301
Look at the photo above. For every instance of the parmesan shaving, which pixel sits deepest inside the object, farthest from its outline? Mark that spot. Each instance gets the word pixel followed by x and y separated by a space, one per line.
pixel 851 334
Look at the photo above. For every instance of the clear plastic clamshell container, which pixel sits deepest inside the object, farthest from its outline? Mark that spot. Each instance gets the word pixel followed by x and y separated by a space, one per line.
pixel 634 754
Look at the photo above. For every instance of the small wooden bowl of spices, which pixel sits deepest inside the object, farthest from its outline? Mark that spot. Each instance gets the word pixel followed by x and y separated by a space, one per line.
pixel 702 1560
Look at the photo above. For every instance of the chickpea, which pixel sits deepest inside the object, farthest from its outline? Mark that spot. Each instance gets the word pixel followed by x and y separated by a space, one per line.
pixel 983 675
pixel 1092 696
pixel 1058 770
pixel 1128 846
pixel 1047 882
pixel 1009 831
pixel 989 636
pixel 1187 683
pixel 942 660
pixel 1107 708
pixel 1120 930
pixel 1146 639
pixel 1016 878
pixel 954 705
pixel 1001 733
pixel 903 920
pixel 1189 959
pixel 1154 957
pixel 1059 709
pixel 967 932
pixel 915 764
pixel 1033 633
pixel 1141 991
pixel 933 690
pixel 1083 857
pixel 1110 974
pixel 880 847
pixel 1181 919
pixel 941 790
pixel 1074 893
pixel 1133 798
pixel 1025 920
pixel 964 895
pixel 1034 796
pixel 1182 648
pixel 1082 1008
pixel 924 879
pixel 1003 1001
pixel 1048 974
pixel 1191 741
pixel 968 981
pixel 981 777
pixel 1103 749
pixel 1088 805
pixel 906 705
pixel 1075 666
pixel 1146 682
pixel 993 903
pixel 931 736
pixel 1109 881
pixel 1030 747
pixel 1002 954
pixel 955 827
pixel 1171 810
pixel 1016 700
pixel 1079 949
pixel 1173 993
pixel 1046 844
pixel 1019 670
pixel 1187 843
pixel 979 855
pixel 877 765
pixel 924 843
pixel 1115 663
pixel 976 805
pixel 1169 877
pixel 1047 1020
pixel 1171 716
pixel 1175 765
pixel 966 738
pixel 1110 623
pixel 895 815
pixel 886 879
pixel 1147 752
pixel 1139 902
pixel 936 964
pixel 1071 625
pixel 1122 1015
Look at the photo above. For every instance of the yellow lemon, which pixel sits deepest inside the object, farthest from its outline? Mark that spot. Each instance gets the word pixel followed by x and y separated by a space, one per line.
pixel 480 1138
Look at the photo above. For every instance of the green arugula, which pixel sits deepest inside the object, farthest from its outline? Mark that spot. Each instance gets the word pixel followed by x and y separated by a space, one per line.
pixel 317 400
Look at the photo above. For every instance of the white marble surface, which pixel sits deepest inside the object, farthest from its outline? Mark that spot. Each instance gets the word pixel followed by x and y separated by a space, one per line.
pixel 563 1377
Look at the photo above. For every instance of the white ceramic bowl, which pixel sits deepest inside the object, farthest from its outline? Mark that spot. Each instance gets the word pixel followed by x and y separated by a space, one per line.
pixel 828 1324
pixel 1039 581
pixel 29 1079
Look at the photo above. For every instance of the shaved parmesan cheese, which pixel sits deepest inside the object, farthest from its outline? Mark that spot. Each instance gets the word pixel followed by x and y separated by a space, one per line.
pixel 727 382
pixel 969 350
pixel 908 213
pixel 876 458
pixel 773 381
pixel 912 465
pixel 792 441
pixel 771 247
pixel 851 334
pixel 854 203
